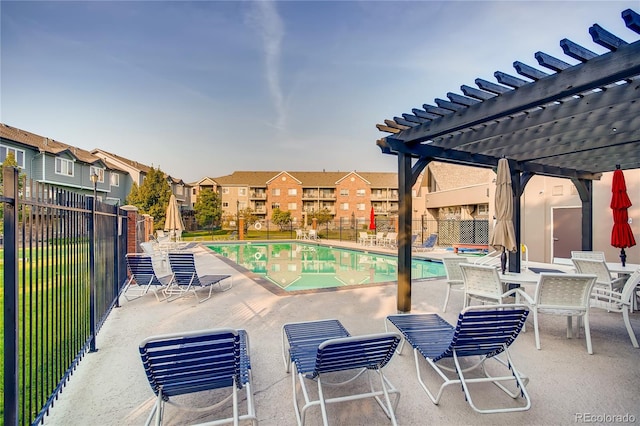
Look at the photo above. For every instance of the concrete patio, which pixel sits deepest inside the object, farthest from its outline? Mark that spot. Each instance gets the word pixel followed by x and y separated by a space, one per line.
pixel 567 385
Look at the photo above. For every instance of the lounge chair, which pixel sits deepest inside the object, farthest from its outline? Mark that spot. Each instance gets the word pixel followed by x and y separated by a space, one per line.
pixel 185 278
pixel 613 301
pixel 143 276
pixel 562 294
pixel 481 331
pixel 313 234
pixel 185 363
pixel 315 349
pixel 427 245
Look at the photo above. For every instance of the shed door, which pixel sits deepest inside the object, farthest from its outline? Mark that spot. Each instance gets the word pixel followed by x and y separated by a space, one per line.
pixel 567 231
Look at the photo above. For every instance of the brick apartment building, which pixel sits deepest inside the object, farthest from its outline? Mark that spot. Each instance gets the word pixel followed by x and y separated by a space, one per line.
pixel 344 194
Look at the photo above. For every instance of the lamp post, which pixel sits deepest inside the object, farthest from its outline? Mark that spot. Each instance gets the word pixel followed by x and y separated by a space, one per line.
pixel 92 266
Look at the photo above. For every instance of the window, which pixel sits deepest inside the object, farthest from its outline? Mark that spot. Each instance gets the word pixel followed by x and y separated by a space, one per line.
pixel 344 206
pixel 180 190
pixel 225 204
pixel 193 191
pixel 114 179
pixel 483 209
pixel 18 154
pixel 292 206
pixel 360 206
pixel 360 193
pixel 275 192
pixel 225 190
pixel 344 192
pixel 292 191
pixel 242 191
pixel 275 206
pixel 97 171
pixel 64 167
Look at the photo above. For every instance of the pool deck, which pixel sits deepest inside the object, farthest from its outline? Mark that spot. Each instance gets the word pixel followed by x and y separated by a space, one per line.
pixel 567 385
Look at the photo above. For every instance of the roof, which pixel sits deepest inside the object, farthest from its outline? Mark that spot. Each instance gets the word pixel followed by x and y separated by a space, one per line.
pixel 572 121
pixel 44 144
pixel 131 163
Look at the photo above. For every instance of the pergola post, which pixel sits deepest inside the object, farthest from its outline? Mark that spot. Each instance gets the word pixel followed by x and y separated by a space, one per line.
pixel 405 184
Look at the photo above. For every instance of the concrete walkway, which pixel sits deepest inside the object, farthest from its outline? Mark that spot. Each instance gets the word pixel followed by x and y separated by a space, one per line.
pixel 567 385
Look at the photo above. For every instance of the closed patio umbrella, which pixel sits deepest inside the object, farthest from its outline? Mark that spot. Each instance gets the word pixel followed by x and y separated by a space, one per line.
pixel 372 219
pixel 504 236
pixel 173 219
pixel 621 234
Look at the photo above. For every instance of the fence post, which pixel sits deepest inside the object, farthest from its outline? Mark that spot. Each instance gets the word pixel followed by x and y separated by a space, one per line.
pixel 10 201
pixel 92 273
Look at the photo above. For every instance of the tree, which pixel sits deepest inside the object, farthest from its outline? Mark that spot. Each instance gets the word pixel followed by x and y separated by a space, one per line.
pixel 208 208
pixel 280 218
pixel 248 216
pixel 152 197
pixel 323 216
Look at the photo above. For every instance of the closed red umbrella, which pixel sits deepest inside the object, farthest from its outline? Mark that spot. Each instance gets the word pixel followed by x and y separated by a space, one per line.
pixel 621 234
pixel 372 219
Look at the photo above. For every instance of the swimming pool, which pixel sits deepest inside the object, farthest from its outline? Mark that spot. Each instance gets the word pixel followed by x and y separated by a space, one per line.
pixel 300 266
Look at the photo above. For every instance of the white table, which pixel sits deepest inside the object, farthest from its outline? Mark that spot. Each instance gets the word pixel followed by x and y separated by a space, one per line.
pixel 519 277
pixel 617 268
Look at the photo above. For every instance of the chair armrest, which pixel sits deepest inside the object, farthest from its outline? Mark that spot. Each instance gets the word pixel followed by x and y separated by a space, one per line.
pixel 602 295
pixel 523 294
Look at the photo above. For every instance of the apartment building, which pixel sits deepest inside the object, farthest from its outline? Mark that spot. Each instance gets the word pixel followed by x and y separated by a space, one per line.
pixel 349 195
pixel 52 162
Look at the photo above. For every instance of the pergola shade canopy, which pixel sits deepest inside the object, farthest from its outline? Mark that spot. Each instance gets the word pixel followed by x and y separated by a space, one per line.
pixel 571 121
pixel 558 120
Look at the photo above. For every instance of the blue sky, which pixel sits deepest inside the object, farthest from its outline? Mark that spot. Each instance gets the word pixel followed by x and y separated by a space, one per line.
pixel 208 87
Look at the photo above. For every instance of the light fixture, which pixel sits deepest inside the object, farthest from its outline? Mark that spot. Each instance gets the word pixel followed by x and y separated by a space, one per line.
pixel 94 178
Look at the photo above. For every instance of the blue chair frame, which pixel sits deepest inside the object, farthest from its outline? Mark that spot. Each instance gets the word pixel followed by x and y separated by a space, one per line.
pixel 185 363
pixel 481 331
pixel 316 349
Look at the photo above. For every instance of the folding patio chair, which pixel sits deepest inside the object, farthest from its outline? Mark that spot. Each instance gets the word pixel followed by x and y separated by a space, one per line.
pixel 185 278
pixel 427 245
pixel 482 332
pixel 197 361
pixel 142 274
pixel 316 349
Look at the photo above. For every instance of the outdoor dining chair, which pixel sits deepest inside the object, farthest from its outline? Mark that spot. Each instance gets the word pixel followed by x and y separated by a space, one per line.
pixel 482 283
pixel 454 276
pixel 601 270
pixel 562 294
pixel 614 301
pixel 314 350
pixel 197 361
pixel 482 334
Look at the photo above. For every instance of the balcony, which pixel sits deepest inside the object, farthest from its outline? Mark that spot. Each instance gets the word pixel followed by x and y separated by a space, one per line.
pixel 258 195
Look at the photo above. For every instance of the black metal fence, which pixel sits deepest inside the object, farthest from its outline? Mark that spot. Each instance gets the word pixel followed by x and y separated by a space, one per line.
pixel 472 231
pixel 63 268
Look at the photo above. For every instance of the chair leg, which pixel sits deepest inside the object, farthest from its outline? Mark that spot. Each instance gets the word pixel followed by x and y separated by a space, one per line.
pixel 535 328
pixel 587 333
pixel 446 298
pixel 627 323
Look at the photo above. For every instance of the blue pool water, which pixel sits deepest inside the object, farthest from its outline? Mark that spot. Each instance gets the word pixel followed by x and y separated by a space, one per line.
pixel 299 266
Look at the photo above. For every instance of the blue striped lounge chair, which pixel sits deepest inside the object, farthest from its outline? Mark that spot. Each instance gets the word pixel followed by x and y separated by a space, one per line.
pixel 142 277
pixel 185 278
pixel 316 349
pixel 197 361
pixel 482 333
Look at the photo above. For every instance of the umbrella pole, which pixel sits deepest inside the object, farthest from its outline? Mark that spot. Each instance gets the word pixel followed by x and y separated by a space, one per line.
pixel 503 260
pixel 623 256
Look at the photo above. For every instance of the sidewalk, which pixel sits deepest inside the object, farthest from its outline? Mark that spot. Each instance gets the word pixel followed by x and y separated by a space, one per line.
pixel 567 385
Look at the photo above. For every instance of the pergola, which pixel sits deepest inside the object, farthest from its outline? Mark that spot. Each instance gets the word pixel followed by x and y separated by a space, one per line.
pixel 568 121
